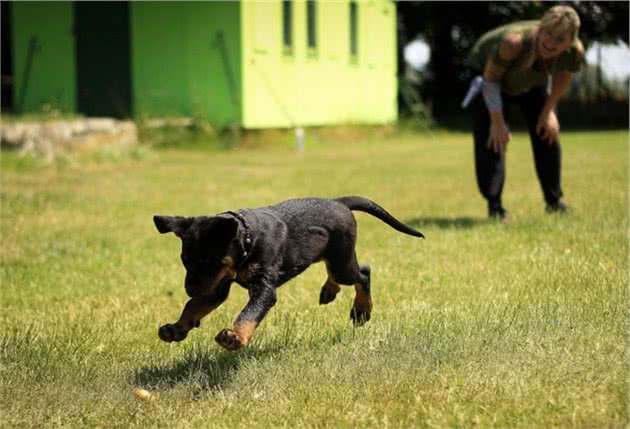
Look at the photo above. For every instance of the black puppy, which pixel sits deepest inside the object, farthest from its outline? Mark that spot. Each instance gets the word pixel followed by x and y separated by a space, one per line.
pixel 262 248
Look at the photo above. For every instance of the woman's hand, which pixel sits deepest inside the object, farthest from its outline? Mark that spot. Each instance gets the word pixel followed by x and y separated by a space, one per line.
pixel 548 127
pixel 499 137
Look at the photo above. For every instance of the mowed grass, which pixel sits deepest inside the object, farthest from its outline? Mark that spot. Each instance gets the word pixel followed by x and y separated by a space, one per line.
pixel 479 325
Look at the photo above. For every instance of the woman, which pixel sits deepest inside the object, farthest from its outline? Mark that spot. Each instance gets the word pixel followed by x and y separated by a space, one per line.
pixel 517 61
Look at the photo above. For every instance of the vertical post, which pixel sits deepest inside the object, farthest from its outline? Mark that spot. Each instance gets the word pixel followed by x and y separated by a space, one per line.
pixel 299 139
pixel 600 86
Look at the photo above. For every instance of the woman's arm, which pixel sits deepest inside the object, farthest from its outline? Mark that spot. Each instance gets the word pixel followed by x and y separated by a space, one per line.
pixel 493 73
pixel 548 126
pixel 559 86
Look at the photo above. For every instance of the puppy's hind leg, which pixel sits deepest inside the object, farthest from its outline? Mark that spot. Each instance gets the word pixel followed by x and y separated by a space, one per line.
pixel 346 271
pixel 329 290
pixel 362 308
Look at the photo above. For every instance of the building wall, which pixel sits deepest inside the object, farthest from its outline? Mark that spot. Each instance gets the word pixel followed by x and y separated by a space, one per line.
pixel 325 85
pixel 224 62
pixel 48 80
pixel 186 60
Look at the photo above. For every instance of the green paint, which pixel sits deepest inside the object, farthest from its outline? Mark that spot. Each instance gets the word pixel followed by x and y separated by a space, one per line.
pixel 180 64
pixel 226 62
pixel 324 85
pixel 43 57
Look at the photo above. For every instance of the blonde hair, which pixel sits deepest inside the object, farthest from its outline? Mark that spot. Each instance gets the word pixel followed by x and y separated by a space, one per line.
pixel 561 19
pixel 558 19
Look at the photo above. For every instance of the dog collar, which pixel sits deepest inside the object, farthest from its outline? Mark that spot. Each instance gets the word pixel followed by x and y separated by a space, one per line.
pixel 247 241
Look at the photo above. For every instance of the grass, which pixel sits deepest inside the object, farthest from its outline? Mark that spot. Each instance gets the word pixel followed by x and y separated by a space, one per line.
pixel 480 325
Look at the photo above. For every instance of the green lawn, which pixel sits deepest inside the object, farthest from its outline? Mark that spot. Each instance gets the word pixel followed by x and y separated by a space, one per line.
pixel 480 325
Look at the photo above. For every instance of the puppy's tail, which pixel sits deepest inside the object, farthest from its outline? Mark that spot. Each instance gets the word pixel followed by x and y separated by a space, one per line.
pixel 364 205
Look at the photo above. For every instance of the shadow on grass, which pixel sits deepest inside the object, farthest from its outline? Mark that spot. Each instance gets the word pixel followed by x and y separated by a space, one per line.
pixel 206 370
pixel 201 368
pixel 444 222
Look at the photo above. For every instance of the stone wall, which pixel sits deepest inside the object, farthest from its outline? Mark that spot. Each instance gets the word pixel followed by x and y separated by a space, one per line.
pixel 45 138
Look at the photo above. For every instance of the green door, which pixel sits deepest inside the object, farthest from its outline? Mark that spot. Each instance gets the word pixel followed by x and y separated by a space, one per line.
pixel 6 65
pixel 101 32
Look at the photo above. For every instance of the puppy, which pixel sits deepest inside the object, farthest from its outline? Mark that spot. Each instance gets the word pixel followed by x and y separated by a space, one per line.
pixel 262 248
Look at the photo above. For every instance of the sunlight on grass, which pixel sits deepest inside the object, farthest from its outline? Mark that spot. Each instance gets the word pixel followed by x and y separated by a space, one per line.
pixel 481 324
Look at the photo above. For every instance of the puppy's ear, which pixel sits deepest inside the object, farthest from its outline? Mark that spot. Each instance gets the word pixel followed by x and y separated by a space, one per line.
pixel 176 224
pixel 221 230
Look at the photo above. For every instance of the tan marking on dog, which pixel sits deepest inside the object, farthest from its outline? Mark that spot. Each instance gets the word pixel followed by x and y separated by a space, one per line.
pixel 228 268
pixel 245 330
pixel 228 263
pixel 332 286
pixel 195 309
pixel 362 299
pixel 226 271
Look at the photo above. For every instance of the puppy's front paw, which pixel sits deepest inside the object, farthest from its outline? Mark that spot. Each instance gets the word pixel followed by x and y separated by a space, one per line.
pixel 170 333
pixel 359 316
pixel 229 339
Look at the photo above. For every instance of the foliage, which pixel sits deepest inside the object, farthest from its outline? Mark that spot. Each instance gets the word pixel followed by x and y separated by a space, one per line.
pixel 412 104
pixel 480 324
pixel 451 29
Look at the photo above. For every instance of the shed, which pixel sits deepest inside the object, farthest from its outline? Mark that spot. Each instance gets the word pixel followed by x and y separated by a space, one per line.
pixel 250 64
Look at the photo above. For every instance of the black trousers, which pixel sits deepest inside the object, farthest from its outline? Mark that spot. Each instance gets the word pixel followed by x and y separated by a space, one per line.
pixel 490 166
